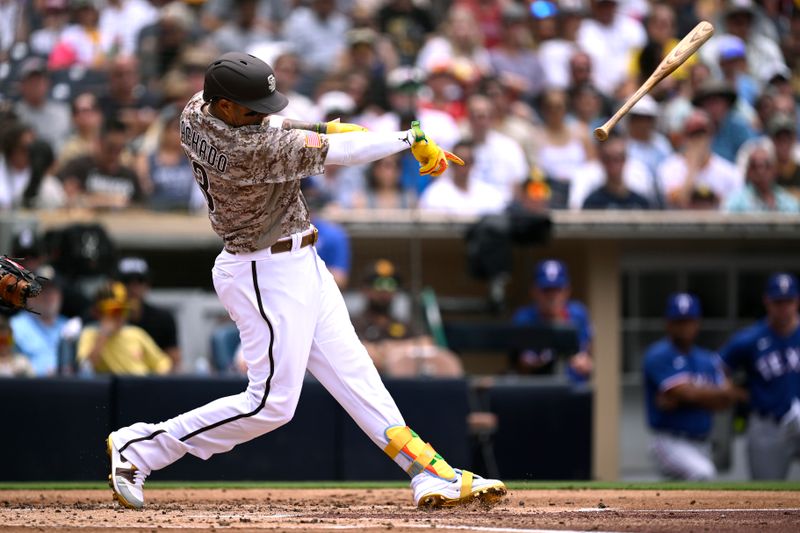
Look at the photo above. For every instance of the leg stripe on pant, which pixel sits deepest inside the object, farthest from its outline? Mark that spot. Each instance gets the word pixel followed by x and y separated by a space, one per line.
pixel 160 431
pixel 271 365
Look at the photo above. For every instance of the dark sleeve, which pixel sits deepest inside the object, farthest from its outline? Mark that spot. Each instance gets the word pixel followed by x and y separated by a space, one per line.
pixel 138 193
pixel 593 202
pixel 735 352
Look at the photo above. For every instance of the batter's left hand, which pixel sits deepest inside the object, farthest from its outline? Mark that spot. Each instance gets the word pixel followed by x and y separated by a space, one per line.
pixel 433 159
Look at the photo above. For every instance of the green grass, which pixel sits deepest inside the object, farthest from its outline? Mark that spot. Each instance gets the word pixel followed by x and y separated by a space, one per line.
pixel 514 485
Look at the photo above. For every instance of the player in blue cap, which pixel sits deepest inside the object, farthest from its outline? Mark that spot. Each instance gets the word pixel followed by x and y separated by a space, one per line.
pixel 550 293
pixel 684 384
pixel 769 353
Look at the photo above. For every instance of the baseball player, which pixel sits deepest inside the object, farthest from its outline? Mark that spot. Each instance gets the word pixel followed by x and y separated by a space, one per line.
pixel 289 311
pixel 683 385
pixel 769 354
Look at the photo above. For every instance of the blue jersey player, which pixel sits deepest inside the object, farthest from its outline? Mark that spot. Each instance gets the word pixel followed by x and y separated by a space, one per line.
pixel 684 384
pixel 769 353
pixel 551 305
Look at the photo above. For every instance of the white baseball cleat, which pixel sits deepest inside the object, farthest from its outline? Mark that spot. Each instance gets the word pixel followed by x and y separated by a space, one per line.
pixel 125 479
pixel 431 492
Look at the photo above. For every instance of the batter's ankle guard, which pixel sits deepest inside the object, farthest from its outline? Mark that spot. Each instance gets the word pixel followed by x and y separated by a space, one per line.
pixel 413 455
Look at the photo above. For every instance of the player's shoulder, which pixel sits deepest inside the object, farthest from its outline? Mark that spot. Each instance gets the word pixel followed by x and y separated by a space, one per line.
pixel 526 314
pixel 751 334
pixel 577 310
pixel 658 351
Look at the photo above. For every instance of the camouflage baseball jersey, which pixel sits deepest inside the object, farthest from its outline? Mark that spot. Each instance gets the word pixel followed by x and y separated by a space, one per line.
pixel 250 176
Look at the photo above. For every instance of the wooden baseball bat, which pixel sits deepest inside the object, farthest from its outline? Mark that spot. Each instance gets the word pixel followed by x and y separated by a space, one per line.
pixel 688 46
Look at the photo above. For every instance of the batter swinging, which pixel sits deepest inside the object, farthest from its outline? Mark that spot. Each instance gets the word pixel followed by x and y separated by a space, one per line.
pixel 289 311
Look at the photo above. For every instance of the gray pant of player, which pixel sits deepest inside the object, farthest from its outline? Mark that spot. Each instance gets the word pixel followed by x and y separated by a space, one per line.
pixel 771 447
pixel 681 458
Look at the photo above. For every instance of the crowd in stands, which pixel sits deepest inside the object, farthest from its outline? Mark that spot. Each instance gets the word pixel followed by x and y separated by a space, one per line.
pixel 91 92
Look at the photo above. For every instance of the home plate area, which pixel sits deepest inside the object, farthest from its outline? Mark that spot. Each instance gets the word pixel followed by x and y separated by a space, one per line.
pixel 322 510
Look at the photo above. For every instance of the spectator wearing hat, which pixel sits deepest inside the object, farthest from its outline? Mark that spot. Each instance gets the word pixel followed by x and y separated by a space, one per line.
pixel 161 43
pixel 684 385
pixel 157 322
pixel 697 177
pixel 371 56
pixel 407 25
pixel 782 130
pixel 112 345
pixel 760 193
pixel 644 142
pixel 551 305
pixel 49 119
pixel 769 354
pixel 12 363
pixel 514 58
pixel 555 28
pixel 38 332
pixel 610 38
pixel 733 64
pixel 457 192
pixel 397 348
pixel 498 159
pixel 614 192
pixel 718 99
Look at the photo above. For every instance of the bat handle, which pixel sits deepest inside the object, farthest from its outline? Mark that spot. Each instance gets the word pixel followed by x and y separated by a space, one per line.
pixel 601 133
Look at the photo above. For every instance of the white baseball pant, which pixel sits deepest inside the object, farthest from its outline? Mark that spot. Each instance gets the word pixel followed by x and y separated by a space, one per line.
pixel 680 458
pixel 771 447
pixel 291 317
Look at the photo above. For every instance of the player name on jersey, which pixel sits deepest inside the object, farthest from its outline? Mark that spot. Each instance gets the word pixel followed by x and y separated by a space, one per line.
pixel 202 148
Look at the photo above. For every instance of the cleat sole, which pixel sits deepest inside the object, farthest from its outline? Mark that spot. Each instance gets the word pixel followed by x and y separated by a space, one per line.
pixel 487 497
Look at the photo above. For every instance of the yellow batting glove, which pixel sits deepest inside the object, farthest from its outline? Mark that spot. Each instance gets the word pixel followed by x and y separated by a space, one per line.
pixel 432 159
pixel 334 126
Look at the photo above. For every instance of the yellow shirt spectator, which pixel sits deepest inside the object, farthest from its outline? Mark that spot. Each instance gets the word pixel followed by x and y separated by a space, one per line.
pixel 129 350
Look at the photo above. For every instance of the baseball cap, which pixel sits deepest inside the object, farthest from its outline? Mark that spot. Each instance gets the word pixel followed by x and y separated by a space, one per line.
pixel 730 47
pixel 244 79
pixel 646 107
pixel 336 102
pixel 781 122
pixel 551 274
pixel 111 297
pixel 739 6
pixel 32 65
pixel 130 268
pixel 542 9
pixel 404 78
pixel 782 286
pixel 682 306
pixel 382 276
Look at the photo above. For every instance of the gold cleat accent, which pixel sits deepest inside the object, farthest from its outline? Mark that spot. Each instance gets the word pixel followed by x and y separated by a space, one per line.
pixel 486 497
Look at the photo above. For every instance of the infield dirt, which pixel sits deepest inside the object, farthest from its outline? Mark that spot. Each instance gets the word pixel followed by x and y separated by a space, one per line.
pixel 374 510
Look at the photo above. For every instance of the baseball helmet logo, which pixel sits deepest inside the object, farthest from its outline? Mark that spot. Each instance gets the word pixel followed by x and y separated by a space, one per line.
pixel 271 82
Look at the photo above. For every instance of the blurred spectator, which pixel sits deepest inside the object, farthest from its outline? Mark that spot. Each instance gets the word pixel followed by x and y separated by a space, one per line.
pixel 384 189
pixel 676 110
pixel 112 346
pixel 318 33
pixel 407 25
pixel 768 354
pixel 457 192
pixel 684 384
pixel 490 16
pixel 28 249
pixel 81 42
pixel 24 162
pixel 269 13
pixel 87 122
pixel 610 38
pixel 55 18
pixel 731 129
pixel 538 194
pixel 11 25
pixel 564 148
pixel 243 30
pixel 101 180
pixel 126 99
pixel 38 332
pixel 555 28
pixel 396 348
pixel 368 58
pixel 514 59
pixel 513 117
pixel 446 93
pixel 697 177
pixel 614 193
pixel 661 39
pixel 12 364
pixel 644 143
pixel 551 306
pixel 287 68
pixel 120 23
pixel 586 103
pixel 157 322
pixel 167 178
pixel 763 54
pixel 48 118
pixel 162 42
pixel 760 192
pixel 498 159
pixel 782 129
pixel 733 64
pixel 460 44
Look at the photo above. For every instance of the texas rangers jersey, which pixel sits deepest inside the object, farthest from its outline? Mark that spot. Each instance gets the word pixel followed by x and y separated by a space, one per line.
pixel 250 176
pixel 666 367
pixel 772 364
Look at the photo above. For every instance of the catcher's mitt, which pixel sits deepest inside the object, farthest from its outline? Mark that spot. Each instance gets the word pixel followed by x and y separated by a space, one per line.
pixel 17 284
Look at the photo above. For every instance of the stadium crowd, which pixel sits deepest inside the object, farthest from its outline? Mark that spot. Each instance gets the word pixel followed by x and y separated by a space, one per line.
pixel 91 92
